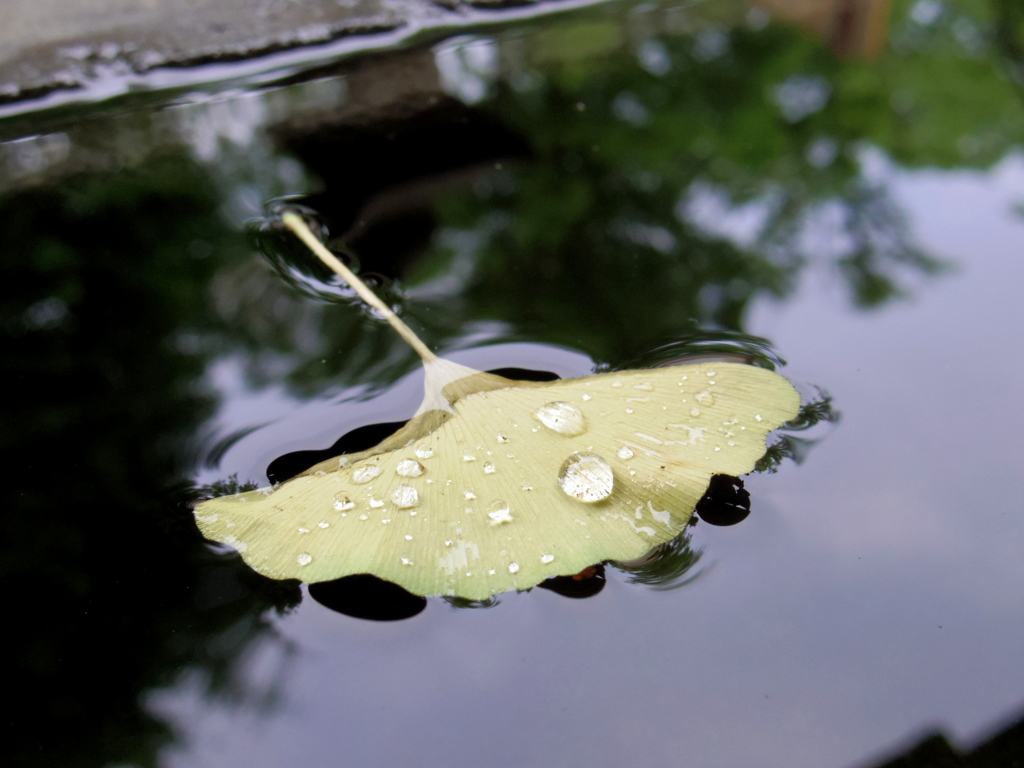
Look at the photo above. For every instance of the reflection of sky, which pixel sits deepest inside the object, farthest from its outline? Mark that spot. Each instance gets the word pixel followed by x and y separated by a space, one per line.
pixel 874 592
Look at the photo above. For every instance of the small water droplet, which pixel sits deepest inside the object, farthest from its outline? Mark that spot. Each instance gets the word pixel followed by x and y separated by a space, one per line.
pixel 341 503
pixel 376 503
pixel 406 561
pixel 717 448
pixel 646 386
pixel 469 457
pixel 513 567
pixel 500 513
pixel 363 516
pixel 586 395
pixel 695 411
pixel 526 486
pixel 704 398
pixel 624 453
pixel 303 530
pixel 405 497
pixel 586 477
pixel 547 559
pixel 365 473
pixel 323 524
pixel 409 468
pixel 304 558
pixel 423 453
pixel 562 417
pixel 758 417
pixel 489 468
pixel 502 437
pixel 470 495
pixel 617 384
pixel 386 520
pixel 408 537
pixel 710 374
pixel 629 410
pixel 730 442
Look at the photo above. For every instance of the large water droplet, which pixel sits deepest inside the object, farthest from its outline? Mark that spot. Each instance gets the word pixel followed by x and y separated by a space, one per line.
pixel 500 513
pixel 409 468
pixel 304 558
pixel 587 477
pixel 343 502
pixel 405 497
pixel 365 473
pixel 562 417
pixel 513 567
pixel 489 468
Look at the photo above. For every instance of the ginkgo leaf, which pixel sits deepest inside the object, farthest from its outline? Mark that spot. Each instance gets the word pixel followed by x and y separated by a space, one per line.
pixel 496 484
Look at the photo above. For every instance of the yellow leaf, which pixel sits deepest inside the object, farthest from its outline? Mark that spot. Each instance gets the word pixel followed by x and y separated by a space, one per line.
pixel 497 485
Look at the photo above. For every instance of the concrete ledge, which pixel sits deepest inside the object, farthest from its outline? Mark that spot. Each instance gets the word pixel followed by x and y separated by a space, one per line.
pixel 47 45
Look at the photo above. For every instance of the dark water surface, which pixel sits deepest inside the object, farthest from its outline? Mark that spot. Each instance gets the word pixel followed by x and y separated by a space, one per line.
pixel 612 188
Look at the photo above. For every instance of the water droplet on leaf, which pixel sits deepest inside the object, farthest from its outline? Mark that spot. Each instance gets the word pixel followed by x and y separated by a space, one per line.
pixel 586 477
pixel 562 417
pixel 409 468
pixel 500 513
pixel 405 497
pixel 365 473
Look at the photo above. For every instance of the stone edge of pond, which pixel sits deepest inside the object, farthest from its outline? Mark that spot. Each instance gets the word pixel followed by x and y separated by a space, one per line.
pixel 39 57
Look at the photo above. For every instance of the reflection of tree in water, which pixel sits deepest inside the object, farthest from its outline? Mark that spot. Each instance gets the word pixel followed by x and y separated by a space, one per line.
pixel 651 192
pixel 647 194
pixel 664 195
pixel 110 592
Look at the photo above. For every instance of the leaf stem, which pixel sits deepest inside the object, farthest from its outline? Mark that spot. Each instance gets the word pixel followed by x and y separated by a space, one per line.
pixel 295 223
